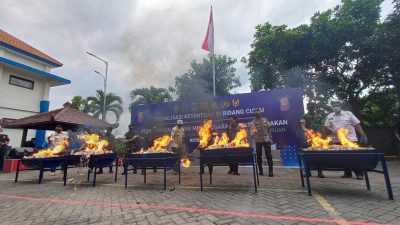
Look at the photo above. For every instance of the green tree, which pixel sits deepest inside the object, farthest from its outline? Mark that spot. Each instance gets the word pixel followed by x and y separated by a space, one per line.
pixel 198 80
pixel 390 46
pixel 149 95
pixel 113 104
pixel 336 55
pixel 80 103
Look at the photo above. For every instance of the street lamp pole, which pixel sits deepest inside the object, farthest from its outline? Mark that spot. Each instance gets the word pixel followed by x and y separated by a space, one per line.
pixel 103 114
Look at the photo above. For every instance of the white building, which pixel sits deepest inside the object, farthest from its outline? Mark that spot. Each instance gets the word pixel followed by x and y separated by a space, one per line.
pixel 25 82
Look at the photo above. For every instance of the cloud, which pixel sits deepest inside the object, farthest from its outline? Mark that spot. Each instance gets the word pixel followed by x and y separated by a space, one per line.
pixel 146 42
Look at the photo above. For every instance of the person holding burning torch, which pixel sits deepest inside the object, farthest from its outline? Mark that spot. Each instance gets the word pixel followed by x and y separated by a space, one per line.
pixel 177 134
pixel 262 133
pixel 312 121
pixel 340 119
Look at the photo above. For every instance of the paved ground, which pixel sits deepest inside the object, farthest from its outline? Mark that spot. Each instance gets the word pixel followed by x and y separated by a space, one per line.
pixel 230 200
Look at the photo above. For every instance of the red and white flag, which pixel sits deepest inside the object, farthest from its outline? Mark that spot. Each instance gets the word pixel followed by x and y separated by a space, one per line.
pixel 208 43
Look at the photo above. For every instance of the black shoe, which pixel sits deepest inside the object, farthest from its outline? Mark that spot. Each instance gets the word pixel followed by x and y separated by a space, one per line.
pixel 359 177
pixel 261 173
pixel 270 173
pixel 346 176
pixel 134 171
pixel 229 172
pixel 111 171
pixel 154 170
pixel 321 175
pixel 123 173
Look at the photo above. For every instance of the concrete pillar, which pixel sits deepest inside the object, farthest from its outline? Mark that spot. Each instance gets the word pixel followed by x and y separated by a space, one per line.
pixel 41 134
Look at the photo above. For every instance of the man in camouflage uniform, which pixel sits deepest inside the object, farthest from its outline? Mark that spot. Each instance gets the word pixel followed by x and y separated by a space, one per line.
pixel 131 138
pixel 312 121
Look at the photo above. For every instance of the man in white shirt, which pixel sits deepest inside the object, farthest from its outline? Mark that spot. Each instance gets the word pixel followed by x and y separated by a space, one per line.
pixel 55 139
pixel 340 119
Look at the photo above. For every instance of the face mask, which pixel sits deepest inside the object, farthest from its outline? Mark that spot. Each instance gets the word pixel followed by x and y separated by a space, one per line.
pixel 337 109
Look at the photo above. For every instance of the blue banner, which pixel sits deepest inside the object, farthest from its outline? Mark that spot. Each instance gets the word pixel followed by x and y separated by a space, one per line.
pixel 283 108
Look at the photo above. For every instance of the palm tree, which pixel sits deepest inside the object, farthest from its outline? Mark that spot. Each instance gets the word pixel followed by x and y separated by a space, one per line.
pixel 149 95
pixel 113 104
pixel 80 103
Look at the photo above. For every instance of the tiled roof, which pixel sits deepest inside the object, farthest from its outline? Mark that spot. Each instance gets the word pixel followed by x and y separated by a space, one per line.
pixel 11 42
pixel 68 117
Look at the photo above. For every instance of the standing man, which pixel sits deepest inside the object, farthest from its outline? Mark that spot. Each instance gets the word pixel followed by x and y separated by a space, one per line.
pixel 108 136
pixel 177 134
pixel 231 131
pixel 55 139
pixel 340 119
pixel 312 121
pixel 132 144
pixel 262 133
pixel 4 148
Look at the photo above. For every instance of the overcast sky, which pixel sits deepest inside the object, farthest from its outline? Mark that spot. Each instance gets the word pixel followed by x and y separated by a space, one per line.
pixel 147 42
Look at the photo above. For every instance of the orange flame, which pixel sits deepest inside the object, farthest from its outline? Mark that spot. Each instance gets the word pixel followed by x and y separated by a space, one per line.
pixel 53 151
pixel 240 139
pixel 220 141
pixel 94 144
pixel 205 133
pixel 160 143
pixel 342 135
pixel 185 162
pixel 315 139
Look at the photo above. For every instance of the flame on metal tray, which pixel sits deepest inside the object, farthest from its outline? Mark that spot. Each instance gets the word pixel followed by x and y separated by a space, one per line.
pixel 315 140
pixel 93 143
pixel 205 133
pixel 222 140
pixel 160 143
pixel 53 151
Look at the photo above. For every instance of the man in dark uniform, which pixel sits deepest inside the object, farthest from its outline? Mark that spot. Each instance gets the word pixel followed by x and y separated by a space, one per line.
pixel 4 148
pixel 108 136
pixel 231 131
pixel 312 121
pixel 131 138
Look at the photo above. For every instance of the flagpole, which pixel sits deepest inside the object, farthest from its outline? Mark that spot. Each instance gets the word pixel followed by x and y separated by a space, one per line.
pixel 213 70
pixel 213 58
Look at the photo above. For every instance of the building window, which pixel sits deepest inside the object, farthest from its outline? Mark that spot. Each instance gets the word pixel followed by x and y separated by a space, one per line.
pixel 21 82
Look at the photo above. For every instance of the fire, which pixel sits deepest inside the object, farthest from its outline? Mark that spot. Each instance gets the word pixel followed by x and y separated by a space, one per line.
pixel 315 139
pixel 240 139
pixel 94 144
pixel 53 151
pixel 160 143
pixel 205 133
pixel 342 135
pixel 221 141
pixel 185 162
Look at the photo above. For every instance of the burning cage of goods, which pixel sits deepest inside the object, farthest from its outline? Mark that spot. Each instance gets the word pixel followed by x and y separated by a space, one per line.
pixel 221 141
pixel 318 143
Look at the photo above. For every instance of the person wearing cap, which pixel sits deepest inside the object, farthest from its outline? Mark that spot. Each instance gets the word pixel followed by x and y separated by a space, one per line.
pixel 261 129
pixel 55 139
pixel 340 119
pixel 177 134
pixel 4 148
pixel 312 121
